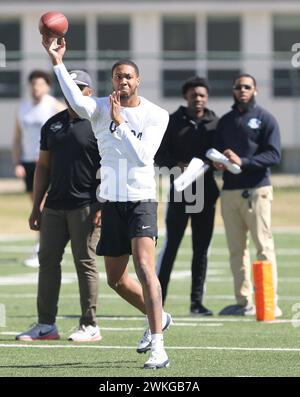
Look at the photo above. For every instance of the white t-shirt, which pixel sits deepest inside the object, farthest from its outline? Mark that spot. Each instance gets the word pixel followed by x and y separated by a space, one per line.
pixel 127 151
pixel 31 118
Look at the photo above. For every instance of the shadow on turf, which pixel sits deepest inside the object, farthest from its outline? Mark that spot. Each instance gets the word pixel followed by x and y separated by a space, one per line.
pixel 71 316
pixel 101 365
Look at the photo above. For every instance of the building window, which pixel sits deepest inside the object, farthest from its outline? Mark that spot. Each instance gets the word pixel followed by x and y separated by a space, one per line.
pixel 178 53
pixel 223 44
pixel 10 77
pixel 173 81
pixel 113 43
pixel 104 84
pixel 223 37
pixel 10 84
pixel 221 81
pixel 10 37
pixel 76 40
pixel 286 32
pixel 286 82
pixel 113 39
pixel 179 38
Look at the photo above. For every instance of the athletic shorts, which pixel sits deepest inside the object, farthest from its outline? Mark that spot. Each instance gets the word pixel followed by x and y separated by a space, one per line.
pixel 122 221
pixel 29 168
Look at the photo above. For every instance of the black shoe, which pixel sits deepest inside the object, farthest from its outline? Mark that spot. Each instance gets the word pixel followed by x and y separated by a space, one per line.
pixel 238 310
pixel 197 309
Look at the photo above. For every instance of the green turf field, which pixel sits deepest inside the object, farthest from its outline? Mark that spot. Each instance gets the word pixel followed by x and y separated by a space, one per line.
pixel 215 346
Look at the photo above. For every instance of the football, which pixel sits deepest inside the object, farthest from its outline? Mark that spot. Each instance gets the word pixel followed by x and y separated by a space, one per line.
pixel 53 24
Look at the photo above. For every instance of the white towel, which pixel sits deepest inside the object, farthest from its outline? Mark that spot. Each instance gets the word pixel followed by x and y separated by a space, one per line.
pixel 194 170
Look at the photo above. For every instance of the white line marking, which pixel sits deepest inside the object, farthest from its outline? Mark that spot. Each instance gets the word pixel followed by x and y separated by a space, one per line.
pixel 182 251
pixel 230 348
pixel 122 329
pixel 177 324
pixel 71 277
pixel 221 319
pixel 295 298
pixel 218 230
pixel 224 251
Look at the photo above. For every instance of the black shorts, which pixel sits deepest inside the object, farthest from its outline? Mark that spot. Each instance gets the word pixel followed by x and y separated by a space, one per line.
pixel 122 221
pixel 29 169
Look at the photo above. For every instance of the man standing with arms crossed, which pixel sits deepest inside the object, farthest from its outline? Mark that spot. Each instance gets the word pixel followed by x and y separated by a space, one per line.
pixel 129 130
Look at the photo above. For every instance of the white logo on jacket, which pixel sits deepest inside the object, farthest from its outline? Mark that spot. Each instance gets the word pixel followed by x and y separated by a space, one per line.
pixel 254 123
pixel 56 126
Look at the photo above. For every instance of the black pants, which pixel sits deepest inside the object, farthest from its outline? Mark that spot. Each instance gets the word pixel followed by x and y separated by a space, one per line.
pixel 202 225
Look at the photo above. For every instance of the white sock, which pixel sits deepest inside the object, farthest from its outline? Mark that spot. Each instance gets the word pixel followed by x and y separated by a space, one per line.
pixel 157 341
pixel 163 318
pixel 36 248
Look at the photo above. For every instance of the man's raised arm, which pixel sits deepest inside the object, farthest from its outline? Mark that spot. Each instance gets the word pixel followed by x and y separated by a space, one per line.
pixel 84 106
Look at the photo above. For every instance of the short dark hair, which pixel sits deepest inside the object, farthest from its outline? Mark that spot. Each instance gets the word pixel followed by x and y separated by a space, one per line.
pixel 126 62
pixel 36 74
pixel 195 81
pixel 245 75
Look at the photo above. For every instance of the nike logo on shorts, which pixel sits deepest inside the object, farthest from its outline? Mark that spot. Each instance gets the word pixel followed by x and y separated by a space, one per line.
pixel 145 227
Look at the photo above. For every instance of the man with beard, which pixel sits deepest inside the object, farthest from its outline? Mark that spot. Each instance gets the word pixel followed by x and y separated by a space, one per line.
pixel 190 133
pixel 248 136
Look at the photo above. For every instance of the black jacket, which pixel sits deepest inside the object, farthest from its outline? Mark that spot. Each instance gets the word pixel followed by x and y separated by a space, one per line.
pixel 185 139
pixel 254 136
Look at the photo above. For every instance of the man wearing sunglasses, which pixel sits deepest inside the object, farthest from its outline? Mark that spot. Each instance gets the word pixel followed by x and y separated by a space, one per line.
pixel 248 136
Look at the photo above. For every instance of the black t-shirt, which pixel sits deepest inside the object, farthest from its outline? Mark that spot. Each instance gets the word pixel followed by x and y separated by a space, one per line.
pixel 75 161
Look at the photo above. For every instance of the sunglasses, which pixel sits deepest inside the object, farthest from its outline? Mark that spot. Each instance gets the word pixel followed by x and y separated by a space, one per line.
pixel 240 86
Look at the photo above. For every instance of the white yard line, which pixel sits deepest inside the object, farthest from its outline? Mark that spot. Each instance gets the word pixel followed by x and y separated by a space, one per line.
pixel 115 296
pixel 218 230
pixel 103 347
pixel 182 251
pixel 224 251
pixel 214 276
pixel 126 329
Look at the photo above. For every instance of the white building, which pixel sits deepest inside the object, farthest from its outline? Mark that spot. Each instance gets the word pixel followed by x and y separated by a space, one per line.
pixel 170 41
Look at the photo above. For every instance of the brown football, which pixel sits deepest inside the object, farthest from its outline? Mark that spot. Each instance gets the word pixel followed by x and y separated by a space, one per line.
pixel 53 24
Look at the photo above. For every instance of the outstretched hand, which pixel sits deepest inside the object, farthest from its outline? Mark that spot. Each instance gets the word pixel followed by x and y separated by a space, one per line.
pixel 56 51
pixel 115 107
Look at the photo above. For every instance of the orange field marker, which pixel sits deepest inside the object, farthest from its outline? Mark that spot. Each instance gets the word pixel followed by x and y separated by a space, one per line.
pixel 264 291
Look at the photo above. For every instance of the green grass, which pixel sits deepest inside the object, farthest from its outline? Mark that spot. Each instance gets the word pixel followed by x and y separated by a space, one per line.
pixel 210 344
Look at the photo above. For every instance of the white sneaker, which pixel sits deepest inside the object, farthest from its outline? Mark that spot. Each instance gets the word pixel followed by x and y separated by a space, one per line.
pixel 145 343
pixel 86 333
pixel 39 332
pixel 157 359
pixel 32 261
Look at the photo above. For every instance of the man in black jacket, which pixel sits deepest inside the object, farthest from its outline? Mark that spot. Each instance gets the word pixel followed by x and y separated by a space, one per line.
pixel 249 136
pixel 190 133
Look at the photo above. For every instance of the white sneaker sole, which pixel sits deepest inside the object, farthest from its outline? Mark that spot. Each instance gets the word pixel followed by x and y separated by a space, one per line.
pixel 165 364
pixel 93 339
pixel 27 338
